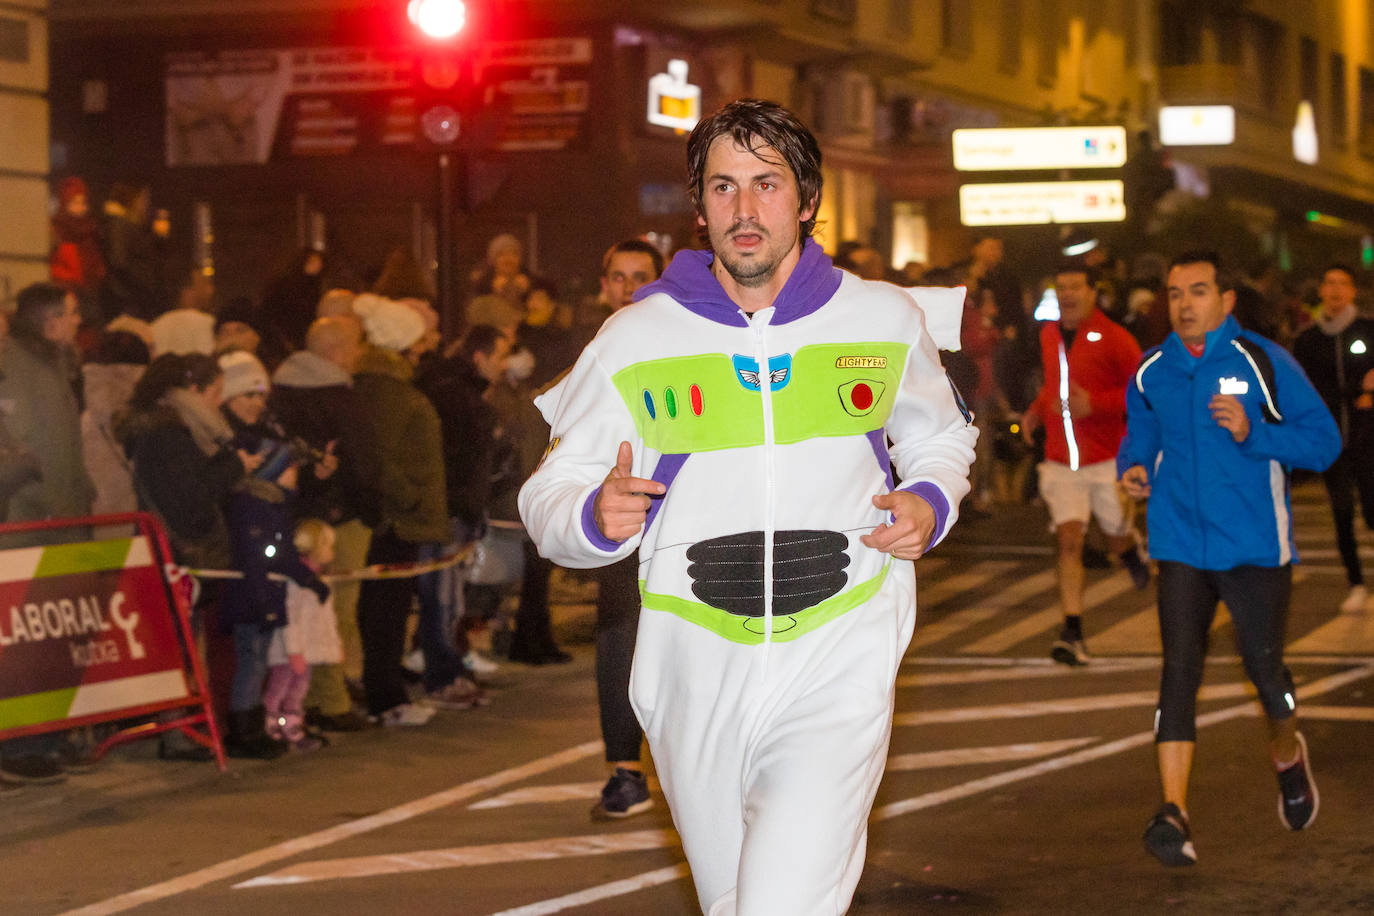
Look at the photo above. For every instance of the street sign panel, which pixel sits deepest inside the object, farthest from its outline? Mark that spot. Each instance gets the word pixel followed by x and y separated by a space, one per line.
pixel 1197 125
pixel 1039 202
pixel 1016 148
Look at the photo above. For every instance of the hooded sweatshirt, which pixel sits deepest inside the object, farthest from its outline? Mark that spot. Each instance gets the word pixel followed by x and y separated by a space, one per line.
pixel 772 435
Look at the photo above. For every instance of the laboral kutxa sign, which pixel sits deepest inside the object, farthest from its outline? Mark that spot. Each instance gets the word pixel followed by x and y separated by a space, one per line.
pixel 85 629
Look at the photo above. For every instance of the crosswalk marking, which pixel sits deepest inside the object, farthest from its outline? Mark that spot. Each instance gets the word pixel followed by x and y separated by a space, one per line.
pixel 1021 672
pixel 928 596
pixel 596 844
pixel 602 891
pixel 1352 632
pixel 1338 713
pixel 1041 621
pixel 298 845
pixel 984 610
pixel 1087 754
pixel 1135 698
pixel 1138 634
pixel 968 756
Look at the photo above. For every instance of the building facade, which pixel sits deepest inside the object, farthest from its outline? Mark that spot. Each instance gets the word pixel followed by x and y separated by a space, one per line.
pixel 298 122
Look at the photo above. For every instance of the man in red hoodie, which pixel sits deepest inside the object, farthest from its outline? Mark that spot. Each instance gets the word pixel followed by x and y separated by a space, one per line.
pixel 1088 361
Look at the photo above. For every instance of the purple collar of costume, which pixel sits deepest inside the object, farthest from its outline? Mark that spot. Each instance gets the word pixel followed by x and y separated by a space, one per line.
pixel 690 282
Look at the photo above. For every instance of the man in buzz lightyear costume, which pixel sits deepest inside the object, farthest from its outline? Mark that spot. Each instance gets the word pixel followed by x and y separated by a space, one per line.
pixel 749 406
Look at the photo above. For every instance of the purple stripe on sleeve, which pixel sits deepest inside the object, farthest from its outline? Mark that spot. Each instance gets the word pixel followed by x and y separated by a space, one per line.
pixel 933 495
pixel 878 439
pixel 664 473
pixel 593 533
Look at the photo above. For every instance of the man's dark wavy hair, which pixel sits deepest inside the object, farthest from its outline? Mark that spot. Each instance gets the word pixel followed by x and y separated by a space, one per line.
pixel 754 124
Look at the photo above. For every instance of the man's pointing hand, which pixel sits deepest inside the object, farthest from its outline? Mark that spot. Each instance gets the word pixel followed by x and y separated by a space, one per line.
pixel 623 501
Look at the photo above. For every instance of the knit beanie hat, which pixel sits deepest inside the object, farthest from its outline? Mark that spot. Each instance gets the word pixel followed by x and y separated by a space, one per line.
pixel 503 242
pixel 183 331
pixel 243 374
pixel 388 324
pixel 70 188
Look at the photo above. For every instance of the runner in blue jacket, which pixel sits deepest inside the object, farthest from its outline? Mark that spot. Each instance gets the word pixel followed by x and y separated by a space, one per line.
pixel 1215 418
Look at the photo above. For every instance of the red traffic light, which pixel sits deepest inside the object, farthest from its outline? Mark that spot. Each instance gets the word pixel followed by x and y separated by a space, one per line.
pixel 438 19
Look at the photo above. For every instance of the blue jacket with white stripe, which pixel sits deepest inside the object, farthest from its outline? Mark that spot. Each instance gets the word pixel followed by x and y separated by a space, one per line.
pixel 1216 503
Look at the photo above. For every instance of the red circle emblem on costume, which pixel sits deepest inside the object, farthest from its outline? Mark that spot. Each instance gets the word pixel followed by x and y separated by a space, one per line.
pixel 695 392
pixel 861 396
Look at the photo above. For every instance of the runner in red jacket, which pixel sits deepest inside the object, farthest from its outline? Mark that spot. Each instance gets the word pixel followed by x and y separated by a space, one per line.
pixel 1088 360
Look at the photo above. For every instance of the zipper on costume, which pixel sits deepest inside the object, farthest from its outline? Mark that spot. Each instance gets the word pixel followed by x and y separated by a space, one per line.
pixel 757 323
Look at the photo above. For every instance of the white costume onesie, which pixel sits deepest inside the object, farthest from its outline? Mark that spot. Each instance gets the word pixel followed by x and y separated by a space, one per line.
pixel 765 689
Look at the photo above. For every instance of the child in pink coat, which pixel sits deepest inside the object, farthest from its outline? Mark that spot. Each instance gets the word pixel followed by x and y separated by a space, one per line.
pixel 310 637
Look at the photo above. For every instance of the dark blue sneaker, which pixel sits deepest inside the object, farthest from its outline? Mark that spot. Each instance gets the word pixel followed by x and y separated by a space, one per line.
pixel 625 795
pixel 1168 838
pixel 1298 798
pixel 1140 572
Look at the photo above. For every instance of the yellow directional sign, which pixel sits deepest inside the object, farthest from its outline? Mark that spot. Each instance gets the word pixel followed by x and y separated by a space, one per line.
pixel 1016 148
pixel 1040 202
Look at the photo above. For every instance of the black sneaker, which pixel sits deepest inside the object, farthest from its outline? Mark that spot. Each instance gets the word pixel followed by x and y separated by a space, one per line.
pixel 344 722
pixel 1298 798
pixel 625 795
pixel 1069 649
pixel 1139 570
pixel 1168 838
pixel 32 769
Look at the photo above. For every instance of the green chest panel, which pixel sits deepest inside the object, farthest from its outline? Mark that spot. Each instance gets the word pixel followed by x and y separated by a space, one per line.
pixel 689 404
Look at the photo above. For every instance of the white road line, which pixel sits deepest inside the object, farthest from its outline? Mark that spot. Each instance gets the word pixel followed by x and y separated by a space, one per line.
pixel 955 793
pixel 926 634
pixel 571 791
pixel 597 844
pixel 1018 673
pixel 974 787
pixel 1338 713
pixel 1034 624
pixel 1059 707
pixel 969 756
pixel 263 857
pixel 935 594
pixel 1349 632
pixel 1138 634
pixel 602 892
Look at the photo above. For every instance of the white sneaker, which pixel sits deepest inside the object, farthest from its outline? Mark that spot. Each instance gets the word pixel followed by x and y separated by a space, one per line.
pixel 408 714
pixel 1355 601
pixel 414 661
pixel 461 694
pixel 479 663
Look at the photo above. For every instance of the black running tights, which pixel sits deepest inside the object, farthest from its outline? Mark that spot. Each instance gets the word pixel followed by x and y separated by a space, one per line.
pixel 617 622
pixel 1257 599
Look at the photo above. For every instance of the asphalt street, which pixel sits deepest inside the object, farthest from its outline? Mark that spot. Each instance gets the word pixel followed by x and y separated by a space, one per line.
pixel 1013 785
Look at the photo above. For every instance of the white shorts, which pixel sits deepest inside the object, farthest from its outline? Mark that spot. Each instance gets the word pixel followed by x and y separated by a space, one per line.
pixel 1092 489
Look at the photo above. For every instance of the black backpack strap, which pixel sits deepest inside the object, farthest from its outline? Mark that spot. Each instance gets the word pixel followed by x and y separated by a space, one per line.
pixel 1263 368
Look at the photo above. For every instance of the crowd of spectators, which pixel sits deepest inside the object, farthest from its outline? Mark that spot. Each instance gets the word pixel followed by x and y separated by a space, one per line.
pixel 318 430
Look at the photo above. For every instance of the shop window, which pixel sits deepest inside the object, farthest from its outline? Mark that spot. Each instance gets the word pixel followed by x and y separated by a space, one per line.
pixel 841 11
pixel 1047 34
pixel 1340 124
pixel 1309 69
pixel 1009 54
pixel 1367 112
pixel 1263 59
pixel 910 233
pixel 956 25
pixel 1180 35
pixel 900 18
pixel 14 40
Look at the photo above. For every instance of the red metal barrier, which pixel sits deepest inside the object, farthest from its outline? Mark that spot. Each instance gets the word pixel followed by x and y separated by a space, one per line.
pixel 97 631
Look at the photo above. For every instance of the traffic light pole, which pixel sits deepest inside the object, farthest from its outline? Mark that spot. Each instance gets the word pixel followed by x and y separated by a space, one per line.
pixel 450 178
